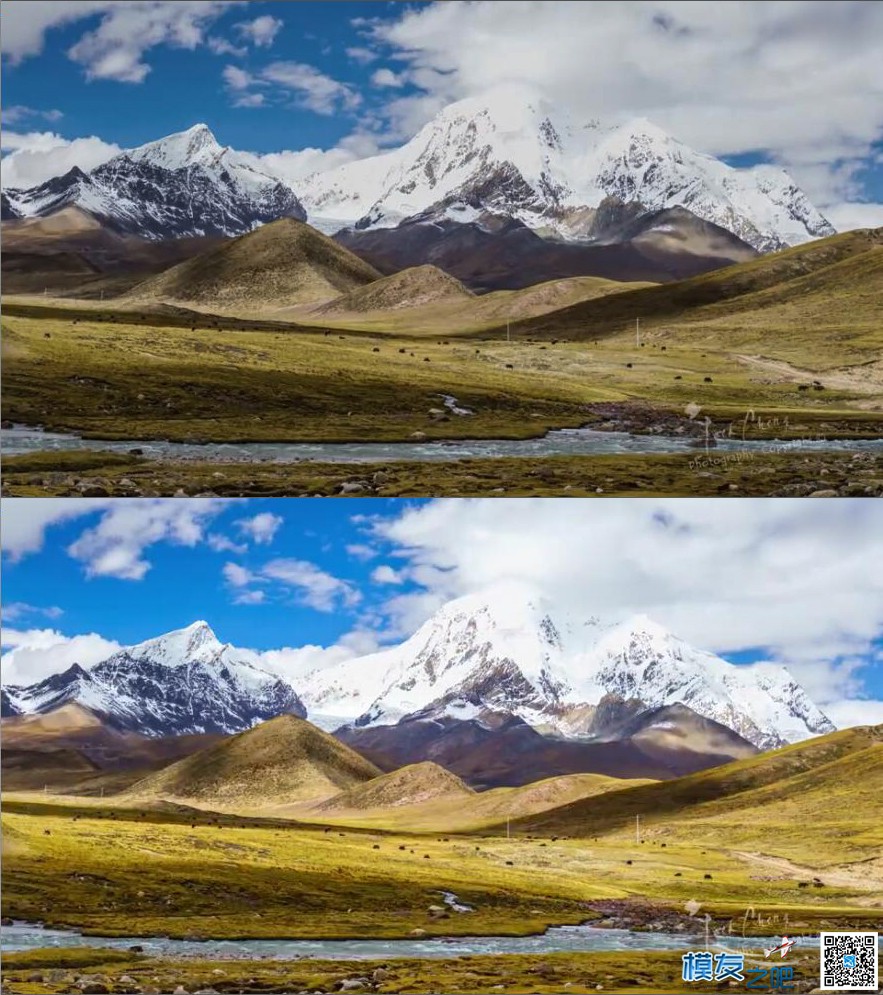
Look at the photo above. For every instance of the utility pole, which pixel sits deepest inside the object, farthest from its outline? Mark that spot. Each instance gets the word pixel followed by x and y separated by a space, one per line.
pixel 508 336
pixel 638 332
pixel 508 833
pixel 637 829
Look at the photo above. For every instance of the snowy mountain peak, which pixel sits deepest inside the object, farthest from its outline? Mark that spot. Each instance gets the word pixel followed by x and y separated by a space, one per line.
pixel 510 153
pixel 184 681
pixel 505 650
pixel 196 145
pixel 195 642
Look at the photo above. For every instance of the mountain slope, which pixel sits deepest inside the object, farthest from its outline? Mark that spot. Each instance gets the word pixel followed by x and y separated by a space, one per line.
pixel 74 727
pixel 417 286
pixel 504 254
pixel 807 776
pixel 279 762
pixel 183 682
pixel 279 265
pixel 510 153
pixel 506 650
pixel 499 750
pixel 182 185
pixel 34 770
pixel 415 784
pixel 801 285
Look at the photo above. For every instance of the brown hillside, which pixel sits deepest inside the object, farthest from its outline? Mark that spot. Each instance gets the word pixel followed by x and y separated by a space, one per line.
pixel 279 762
pixel 415 784
pixel 793 287
pixel 278 265
pixel 415 287
pixel 841 769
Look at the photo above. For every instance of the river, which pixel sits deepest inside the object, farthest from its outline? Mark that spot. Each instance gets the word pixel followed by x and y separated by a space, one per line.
pixel 559 442
pixel 558 939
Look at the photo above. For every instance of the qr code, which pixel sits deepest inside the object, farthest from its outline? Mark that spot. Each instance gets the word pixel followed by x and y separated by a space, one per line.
pixel 849 962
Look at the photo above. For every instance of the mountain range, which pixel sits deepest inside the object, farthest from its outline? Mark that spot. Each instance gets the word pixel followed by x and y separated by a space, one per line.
pixel 481 165
pixel 499 687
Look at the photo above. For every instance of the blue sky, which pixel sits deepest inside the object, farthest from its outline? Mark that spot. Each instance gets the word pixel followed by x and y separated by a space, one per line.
pixel 798 83
pixel 321 580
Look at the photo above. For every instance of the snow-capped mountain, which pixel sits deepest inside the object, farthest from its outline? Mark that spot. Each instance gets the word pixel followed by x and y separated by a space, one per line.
pixel 509 153
pixel 185 184
pixel 185 681
pixel 506 651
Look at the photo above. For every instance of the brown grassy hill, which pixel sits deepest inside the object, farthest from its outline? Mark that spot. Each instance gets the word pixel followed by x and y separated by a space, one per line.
pixel 821 778
pixel 415 784
pixel 278 265
pixel 415 287
pixel 73 727
pixel 451 313
pixel 32 770
pixel 825 282
pixel 279 762
pixel 71 252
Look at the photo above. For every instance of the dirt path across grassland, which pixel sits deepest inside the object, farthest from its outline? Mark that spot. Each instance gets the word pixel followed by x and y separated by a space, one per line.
pixel 866 378
pixel 865 875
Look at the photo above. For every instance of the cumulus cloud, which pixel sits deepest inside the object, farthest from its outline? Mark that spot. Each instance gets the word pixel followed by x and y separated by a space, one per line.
pixel 311 88
pixel 21 609
pixel 294 663
pixel 261 31
pixel 801 583
pixel 115 546
pixel 21 112
pixel 33 654
pixel 385 574
pixel 363 56
pixel 34 157
pixel 314 587
pixel 260 528
pixel 23 524
pixel 360 551
pixel 386 77
pixel 801 80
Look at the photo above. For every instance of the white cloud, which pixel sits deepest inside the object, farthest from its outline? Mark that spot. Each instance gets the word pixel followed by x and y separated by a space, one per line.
pixel 362 55
pixel 261 31
pixel 220 46
pixel 24 521
pixel 386 77
pixel 36 653
pixel 237 576
pixel 315 587
pixel 846 217
pixel 251 597
pixel 237 79
pixel 312 88
pixel 115 546
pixel 223 544
pixel 20 112
pixel 361 552
pixel 800 79
pixel 294 663
pixel 855 712
pixel 20 609
pixel 384 574
pixel 261 528
pixel 25 23
pixel 250 100
pixel 115 48
pixel 37 156
pixel 295 166
pixel 804 582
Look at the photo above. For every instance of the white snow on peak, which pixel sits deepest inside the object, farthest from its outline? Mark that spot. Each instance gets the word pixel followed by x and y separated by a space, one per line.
pixel 194 643
pixel 196 145
pixel 508 650
pixel 517 155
